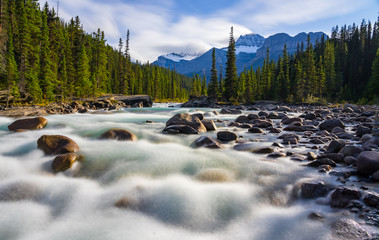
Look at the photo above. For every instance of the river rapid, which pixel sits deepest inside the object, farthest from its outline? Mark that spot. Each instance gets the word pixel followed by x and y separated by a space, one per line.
pixel 161 180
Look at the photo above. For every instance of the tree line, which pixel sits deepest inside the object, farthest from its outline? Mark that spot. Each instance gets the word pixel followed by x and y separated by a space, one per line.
pixel 344 67
pixel 49 60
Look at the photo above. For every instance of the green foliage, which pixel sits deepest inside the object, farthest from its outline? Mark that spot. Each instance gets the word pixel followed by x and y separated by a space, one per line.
pixel 231 70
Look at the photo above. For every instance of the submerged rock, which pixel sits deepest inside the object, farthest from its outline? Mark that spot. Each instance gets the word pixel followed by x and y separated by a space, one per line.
pixel 215 175
pixel 119 134
pixel 207 142
pixel 18 191
pixel 28 124
pixel 57 144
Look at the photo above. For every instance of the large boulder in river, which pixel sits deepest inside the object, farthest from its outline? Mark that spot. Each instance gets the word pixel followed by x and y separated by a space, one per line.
pixel 63 162
pixel 227 136
pixel 368 162
pixel 119 134
pixel 328 125
pixel 348 229
pixel 135 99
pixel 313 189
pixel 57 144
pixel 28 124
pixel 207 142
pixel 342 196
pixel 209 125
pixel 187 119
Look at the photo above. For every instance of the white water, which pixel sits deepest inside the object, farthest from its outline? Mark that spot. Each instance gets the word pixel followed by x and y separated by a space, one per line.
pixel 160 175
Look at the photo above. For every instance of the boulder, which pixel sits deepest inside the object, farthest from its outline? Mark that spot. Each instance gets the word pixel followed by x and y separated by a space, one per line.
pixel 253 116
pixel 263 124
pixel 284 109
pixel 313 189
pixel 28 124
pixel 348 229
pixel 368 162
pixel 350 160
pixel 132 100
pixel 337 157
pixel 57 144
pixel 227 136
pixel 199 116
pixel 209 125
pixel 242 119
pixel 372 200
pixel 207 142
pixel 202 101
pixel 188 120
pixel 310 116
pixel 362 130
pixel 328 125
pixel 322 161
pixel 342 196
pixel 63 162
pixel 184 129
pixel 350 151
pixel 255 130
pixel 275 130
pixel 288 120
pixel 119 134
pixel 274 115
pixel 335 146
pixel 276 155
pixel 264 150
pixel 311 156
pixel 263 114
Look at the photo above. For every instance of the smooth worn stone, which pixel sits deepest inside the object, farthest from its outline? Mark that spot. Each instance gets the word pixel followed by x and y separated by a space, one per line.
pixel 63 162
pixel 264 150
pixel 348 229
pixel 242 119
pixel 209 125
pixel 276 155
pixel 362 130
pixel 342 196
pixel 274 115
pixel 119 134
pixel 284 109
pixel 245 147
pixel 368 162
pixel 187 119
pixel 253 116
pixel 255 130
pixel 337 130
pixel 350 160
pixel 294 128
pixel 276 144
pixel 184 129
pixel 375 176
pixel 322 161
pixel 328 125
pixel 57 144
pixel 215 175
pixel 132 100
pixel 289 135
pixel 298 157
pixel 128 203
pixel 350 151
pixel 335 146
pixel 315 216
pixel 263 113
pixel 290 140
pixel 337 157
pixel 317 141
pixel 263 124
pixel 288 120
pixel 28 124
pixel 198 115
pixel 208 142
pixel 227 136
pixel 310 116
pixel 372 200
pixel 311 156
pixel 313 189
pixel 275 130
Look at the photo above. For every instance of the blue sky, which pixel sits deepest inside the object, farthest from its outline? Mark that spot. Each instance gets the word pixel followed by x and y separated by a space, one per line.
pixel 191 26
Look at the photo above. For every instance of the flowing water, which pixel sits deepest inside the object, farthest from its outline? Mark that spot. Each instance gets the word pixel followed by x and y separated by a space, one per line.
pixel 161 180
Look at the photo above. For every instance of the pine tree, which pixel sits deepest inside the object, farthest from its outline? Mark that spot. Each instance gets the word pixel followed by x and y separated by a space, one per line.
pixel 231 70
pixel 320 78
pixel 373 84
pixel 83 87
pixel 204 86
pixel 329 66
pixel 213 89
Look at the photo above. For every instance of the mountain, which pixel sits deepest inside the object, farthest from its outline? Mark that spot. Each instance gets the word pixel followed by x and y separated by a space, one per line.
pixel 251 50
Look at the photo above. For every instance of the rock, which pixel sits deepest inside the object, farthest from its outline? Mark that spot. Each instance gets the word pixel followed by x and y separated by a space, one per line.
pixel 214 175
pixel 322 161
pixel 375 176
pixel 348 229
pixel 253 116
pixel 245 147
pixel 298 157
pixel 227 136
pixel 276 144
pixel 362 130
pixel 350 160
pixel 207 142
pixel 310 116
pixel 337 157
pixel 199 116
pixel 284 109
pixel 294 128
pixel 276 155
pixel 57 144
pixel 28 124
pixel 119 134
pixel 263 124
pixel 313 189
pixel 350 151
pixel 274 115
pixel 288 120
pixel 263 113
pixel 127 202
pixel 132 100
pixel 209 125
pixel 342 196
pixel 230 111
pixel 315 216
pixel 188 120
pixel 372 200
pixel 311 156
pixel 63 162
pixel 255 130
pixel 197 102
pixel 184 129
pixel 335 146
pixel 242 119
pixel 328 125
pixel 264 150
pixel 368 162
pixel 275 130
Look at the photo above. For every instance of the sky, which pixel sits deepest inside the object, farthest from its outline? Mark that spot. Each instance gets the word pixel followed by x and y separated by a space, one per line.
pixel 159 27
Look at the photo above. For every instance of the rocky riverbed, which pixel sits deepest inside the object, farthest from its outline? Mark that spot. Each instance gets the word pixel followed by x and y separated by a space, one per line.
pixel 263 171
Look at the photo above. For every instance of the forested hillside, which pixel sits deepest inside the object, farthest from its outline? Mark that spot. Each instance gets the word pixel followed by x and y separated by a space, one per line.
pixel 49 59
pixel 344 67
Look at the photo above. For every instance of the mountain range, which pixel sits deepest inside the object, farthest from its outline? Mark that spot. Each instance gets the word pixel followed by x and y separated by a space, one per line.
pixel 251 50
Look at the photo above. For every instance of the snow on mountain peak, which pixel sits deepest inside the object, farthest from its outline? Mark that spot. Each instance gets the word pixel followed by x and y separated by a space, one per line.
pixel 177 57
pixel 253 39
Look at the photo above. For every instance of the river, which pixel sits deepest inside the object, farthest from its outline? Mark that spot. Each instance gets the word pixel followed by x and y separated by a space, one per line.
pixel 163 180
